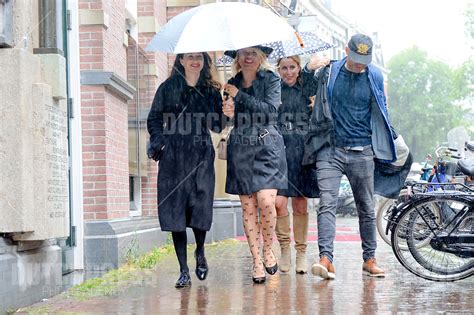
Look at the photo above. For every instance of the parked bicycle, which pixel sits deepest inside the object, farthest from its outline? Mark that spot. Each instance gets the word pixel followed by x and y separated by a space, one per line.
pixel 443 170
pixel 432 233
pixel 345 201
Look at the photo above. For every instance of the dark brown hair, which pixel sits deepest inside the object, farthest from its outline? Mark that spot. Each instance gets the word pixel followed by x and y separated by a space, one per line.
pixel 207 77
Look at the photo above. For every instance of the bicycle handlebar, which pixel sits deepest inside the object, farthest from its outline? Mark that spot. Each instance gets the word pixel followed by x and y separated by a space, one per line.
pixel 446 151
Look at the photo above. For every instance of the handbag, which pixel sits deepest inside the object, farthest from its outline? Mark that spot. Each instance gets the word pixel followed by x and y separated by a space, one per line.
pixel 222 145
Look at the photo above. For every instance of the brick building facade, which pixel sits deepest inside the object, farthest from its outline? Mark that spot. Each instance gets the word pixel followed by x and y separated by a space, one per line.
pixel 118 82
pixel 94 77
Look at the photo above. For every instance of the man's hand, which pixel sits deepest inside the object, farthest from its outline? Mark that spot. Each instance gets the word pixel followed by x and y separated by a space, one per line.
pixel 317 62
pixel 311 101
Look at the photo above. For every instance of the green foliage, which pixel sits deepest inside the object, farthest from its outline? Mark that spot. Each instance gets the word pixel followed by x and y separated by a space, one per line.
pixel 470 20
pixel 132 252
pixel 115 281
pixel 37 310
pixel 464 80
pixel 109 284
pixel 149 260
pixel 424 99
pixel 169 239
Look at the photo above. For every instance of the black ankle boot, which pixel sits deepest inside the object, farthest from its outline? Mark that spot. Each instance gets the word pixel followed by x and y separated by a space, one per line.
pixel 184 280
pixel 201 266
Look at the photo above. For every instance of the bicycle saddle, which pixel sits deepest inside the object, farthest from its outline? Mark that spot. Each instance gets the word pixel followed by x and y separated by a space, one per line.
pixel 470 145
pixel 467 166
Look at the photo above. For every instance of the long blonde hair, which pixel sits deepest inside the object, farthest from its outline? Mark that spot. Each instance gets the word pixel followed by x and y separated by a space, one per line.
pixel 264 64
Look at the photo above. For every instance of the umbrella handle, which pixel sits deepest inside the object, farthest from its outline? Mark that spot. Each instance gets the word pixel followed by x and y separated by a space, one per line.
pixel 299 40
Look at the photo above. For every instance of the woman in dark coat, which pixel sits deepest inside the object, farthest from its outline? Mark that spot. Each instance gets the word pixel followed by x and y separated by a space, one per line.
pixel 256 165
pixel 297 88
pixel 185 107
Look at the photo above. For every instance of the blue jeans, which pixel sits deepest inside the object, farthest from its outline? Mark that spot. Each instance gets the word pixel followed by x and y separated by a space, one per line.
pixel 358 166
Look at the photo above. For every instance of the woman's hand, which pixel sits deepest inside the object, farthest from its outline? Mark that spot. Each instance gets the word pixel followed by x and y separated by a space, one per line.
pixel 311 101
pixel 317 62
pixel 231 90
pixel 228 107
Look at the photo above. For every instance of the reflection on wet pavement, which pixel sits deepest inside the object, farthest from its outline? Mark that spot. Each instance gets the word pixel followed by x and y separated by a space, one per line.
pixel 229 288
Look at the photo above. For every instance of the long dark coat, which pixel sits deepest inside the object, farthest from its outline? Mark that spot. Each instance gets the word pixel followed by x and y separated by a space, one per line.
pixel 186 175
pixel 293 121
pixel 255 151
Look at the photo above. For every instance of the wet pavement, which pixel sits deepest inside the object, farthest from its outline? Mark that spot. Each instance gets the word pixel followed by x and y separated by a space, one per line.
pixel 229 288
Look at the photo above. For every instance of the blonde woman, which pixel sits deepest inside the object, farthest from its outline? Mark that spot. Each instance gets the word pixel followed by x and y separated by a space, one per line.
pixel 256 165
pixel 297 88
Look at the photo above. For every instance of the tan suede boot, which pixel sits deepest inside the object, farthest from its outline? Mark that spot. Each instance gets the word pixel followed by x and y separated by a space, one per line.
pixel 300 230
pixel 282 232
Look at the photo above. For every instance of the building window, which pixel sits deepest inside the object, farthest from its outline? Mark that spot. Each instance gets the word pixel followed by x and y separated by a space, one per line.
pixel 135 196
pixel 6 23
pixel 138 66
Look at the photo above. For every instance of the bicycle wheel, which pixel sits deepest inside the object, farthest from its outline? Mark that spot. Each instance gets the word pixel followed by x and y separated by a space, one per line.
pixel 419 225
pixel 384 209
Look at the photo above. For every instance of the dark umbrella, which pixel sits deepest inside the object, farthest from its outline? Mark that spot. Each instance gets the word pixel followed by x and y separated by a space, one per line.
pixel 303 44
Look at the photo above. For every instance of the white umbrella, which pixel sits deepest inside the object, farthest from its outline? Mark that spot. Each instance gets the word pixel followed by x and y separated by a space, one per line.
pixel 303 44
pixel 220 26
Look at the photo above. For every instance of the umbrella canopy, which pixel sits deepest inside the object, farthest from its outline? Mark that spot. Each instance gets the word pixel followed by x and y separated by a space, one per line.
pixel 220 26
pixel 290 47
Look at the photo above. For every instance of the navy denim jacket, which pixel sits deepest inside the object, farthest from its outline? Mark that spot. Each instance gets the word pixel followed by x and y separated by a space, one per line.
pixel 388 179
pixel 382 132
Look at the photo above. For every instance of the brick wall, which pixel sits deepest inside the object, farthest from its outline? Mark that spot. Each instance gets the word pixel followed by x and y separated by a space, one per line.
pixel 104 116
pixel 156 8
pixel 115 53
pixel 93 151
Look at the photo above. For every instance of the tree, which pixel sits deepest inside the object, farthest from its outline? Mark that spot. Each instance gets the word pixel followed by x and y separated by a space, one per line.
pixel 422 96
pixel 469 13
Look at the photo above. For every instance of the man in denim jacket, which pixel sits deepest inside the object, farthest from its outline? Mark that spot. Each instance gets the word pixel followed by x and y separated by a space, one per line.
pixel 350 131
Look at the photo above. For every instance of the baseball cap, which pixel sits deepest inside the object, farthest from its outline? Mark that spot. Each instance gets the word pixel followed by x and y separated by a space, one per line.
pixel 360 49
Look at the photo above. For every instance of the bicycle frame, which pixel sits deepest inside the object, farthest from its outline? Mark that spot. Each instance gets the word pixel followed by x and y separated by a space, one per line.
pixel 432 235
pixel 419 191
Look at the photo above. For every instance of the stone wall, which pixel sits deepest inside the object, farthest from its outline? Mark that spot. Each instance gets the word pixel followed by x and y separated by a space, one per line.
pixel 28 275
pixel 34 186
pixel 34 196
pixel 104 109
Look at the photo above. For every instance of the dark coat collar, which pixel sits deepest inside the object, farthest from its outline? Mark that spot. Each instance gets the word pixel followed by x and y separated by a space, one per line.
pixel 261 74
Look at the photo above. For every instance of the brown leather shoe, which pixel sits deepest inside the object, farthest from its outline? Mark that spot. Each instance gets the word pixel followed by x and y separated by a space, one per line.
pixel 370 268
pixel 324 269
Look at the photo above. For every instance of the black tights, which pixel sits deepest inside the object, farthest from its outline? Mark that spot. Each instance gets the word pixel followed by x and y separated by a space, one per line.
pixel 180 241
